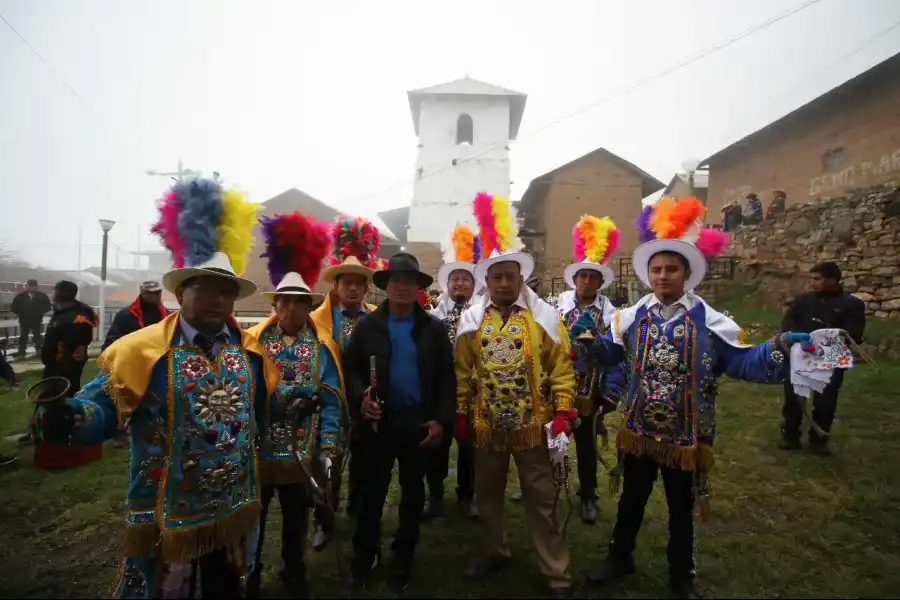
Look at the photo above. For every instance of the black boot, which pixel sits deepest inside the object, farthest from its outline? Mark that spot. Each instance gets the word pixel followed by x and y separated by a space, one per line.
pixel 683 587
pixel 400 572
pixel 434 504
pixel 253 582
pixel 611 569
pixel 361 570
pixel 589 511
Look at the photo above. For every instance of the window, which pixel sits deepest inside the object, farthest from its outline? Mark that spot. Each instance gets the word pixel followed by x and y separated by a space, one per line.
pixel 465 130
pixel 833 160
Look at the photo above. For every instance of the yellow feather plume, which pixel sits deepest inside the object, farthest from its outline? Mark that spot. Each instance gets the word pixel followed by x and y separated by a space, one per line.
pixel 236 228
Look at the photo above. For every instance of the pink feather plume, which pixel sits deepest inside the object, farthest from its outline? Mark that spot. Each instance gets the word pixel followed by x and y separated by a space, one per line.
pixel 612 244
pixel 578 253
pixel 712 242
pixel 167 228
pixel 487 222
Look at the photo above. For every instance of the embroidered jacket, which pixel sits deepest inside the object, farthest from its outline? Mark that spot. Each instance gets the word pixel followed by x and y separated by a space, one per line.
pixel 500 372
pixel 193 483
pixel 329 321
pixel 606 381
pixel 670 408
pixel 308 365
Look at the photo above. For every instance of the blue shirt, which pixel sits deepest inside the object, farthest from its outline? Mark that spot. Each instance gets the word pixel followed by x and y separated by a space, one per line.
pixel 403 373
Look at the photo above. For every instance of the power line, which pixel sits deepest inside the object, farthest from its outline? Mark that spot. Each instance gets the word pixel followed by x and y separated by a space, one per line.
pixel 641 83
pixel 43 60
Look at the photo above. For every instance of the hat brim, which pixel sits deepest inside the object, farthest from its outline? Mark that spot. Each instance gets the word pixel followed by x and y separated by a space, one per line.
pixel 640 260
pixel 330 274
pixel 381 278
pixel 526 264
pixel 316 297
pixel 605 272
pixel 175 278
pixel 446 270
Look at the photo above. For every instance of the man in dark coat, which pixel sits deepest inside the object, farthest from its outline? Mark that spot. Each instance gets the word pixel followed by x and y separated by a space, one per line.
pixel 403 410
pixel 30 307
pixel 69 333
pixel 826 306
pixel 146 310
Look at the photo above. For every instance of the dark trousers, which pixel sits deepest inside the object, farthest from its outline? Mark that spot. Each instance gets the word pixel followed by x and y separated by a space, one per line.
pixel 33 327
pixel 218 578
pixel 395 441
pixel 355 471
pixel 439 468
pixel 824 408
pixel 586 456
pixel 638 479
pixel 294 505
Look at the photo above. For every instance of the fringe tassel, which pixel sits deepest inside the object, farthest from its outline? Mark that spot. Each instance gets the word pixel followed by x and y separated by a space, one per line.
pixel 280 472
pixel 495 440
pixel 685 458
pixel 141 541
pixel 705 510
pixel 183 544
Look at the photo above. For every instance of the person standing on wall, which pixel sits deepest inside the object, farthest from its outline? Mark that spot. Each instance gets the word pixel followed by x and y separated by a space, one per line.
pixel 30 307
pixel 826 306
pixel 401 411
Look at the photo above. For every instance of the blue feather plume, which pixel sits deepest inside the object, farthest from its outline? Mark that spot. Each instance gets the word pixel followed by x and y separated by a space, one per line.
pixel 201 202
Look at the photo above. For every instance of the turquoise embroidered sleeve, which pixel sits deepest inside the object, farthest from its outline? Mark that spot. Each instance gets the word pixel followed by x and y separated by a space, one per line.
pixel 99 412
pixel 330 408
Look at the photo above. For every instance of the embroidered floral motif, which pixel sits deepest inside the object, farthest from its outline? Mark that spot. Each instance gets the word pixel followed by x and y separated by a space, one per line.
pixel 678 332
pixel 488 330
pixel 514 329
pixel 661 417
pixel 195 367
pixel 776 357
pixel 273 346
pixel 232 362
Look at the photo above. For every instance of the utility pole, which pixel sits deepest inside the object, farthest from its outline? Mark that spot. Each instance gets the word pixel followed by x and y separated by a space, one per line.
pixel 177 175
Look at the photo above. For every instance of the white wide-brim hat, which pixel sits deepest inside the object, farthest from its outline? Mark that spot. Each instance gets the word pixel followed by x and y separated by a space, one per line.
pixel 352 265
pixel 526 264
pixel 292 284
pixel 640 260
pixel 586 265
pixel 447 269
pixel 217 266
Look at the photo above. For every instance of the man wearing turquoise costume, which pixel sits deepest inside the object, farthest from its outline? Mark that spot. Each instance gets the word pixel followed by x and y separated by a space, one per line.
pixel 190 389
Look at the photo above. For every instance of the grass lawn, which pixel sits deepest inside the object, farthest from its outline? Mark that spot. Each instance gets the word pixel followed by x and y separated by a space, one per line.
pixel 783 525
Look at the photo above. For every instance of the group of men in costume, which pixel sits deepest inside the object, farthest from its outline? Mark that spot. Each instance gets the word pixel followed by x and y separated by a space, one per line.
pixel 222 420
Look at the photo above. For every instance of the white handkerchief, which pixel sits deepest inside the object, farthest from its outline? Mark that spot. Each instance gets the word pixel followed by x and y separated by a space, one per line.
pixel 812 371
pixel 558 446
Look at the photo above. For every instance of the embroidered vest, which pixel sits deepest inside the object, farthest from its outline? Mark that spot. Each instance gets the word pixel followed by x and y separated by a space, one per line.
pixel 587 378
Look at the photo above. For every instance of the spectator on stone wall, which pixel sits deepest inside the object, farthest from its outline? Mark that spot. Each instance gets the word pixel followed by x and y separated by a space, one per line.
pixel 732 216
pixel 753 212
pixel 776 207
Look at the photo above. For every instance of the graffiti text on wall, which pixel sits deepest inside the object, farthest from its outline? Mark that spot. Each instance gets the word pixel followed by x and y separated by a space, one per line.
pixel 856 175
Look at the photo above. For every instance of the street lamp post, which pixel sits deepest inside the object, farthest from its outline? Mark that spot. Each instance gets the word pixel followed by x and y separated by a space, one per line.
pixel 105 225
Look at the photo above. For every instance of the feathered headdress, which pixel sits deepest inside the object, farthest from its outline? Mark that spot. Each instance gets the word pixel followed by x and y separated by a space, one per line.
pixel 462 245
pixel 497 225
pixel 199 217
pixel 680 219
pixel 594 239
pixel 355 237
pixel 295 243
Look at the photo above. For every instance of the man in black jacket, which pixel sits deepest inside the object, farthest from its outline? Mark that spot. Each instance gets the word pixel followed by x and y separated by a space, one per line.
pixel 69 333
pixel 402 411
pixel 827 306
pixel 30 307
pixel 146 310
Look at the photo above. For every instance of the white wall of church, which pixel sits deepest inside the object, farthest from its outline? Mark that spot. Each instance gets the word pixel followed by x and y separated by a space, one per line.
pixel 444 191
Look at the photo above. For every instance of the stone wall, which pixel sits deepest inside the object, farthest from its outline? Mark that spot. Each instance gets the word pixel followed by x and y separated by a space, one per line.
pixel 860 232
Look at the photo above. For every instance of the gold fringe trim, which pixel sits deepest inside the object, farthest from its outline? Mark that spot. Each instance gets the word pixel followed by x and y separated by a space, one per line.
pixel 684 458
pixel 704 509
pixel 118 393
pixel 280 472
pixel 495 440
pixel 182 544
pixel 141 541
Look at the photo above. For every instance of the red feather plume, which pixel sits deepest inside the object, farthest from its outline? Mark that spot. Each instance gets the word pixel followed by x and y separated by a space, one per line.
pixel 295 242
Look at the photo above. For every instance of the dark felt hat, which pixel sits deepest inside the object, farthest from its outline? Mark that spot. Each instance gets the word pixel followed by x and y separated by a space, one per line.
pixel 402 262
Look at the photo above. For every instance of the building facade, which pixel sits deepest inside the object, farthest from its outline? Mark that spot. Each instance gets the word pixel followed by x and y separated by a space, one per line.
pixel 846 139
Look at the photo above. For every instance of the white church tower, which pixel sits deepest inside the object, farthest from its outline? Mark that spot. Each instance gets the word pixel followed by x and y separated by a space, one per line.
pixel 464 130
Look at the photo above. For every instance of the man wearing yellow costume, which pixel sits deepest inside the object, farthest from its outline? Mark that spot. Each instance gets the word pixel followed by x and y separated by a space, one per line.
pixel 309 364
pixel 353 260
pixel 190 389
pixel 507 344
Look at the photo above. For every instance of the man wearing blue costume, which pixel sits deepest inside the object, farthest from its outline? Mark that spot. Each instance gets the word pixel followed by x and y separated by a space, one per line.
pixel 190 388
pixel 308 361
pixel 675 347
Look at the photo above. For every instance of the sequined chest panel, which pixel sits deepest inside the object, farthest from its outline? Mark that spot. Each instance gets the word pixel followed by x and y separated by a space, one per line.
pixel 670 364
pixel 506 382
pixel 300 373
pixel 451 322
pixel 211 467
pixel 586 376
pixel 345 328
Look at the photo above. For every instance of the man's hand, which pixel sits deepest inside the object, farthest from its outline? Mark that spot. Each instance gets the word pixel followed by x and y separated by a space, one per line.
pixel 302 406
pixel 371 411
pixel 435 432
pixel 584 323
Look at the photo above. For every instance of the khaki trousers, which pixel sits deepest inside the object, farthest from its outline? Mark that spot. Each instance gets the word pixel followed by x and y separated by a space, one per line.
pixel 538 494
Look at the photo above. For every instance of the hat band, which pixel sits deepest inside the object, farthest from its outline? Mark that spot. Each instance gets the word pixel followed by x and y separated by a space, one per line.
pixel 219 271
pixel 292 288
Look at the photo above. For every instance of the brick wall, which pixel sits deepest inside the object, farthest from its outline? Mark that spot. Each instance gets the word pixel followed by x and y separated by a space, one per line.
pixel 847 140
pixel 598 186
